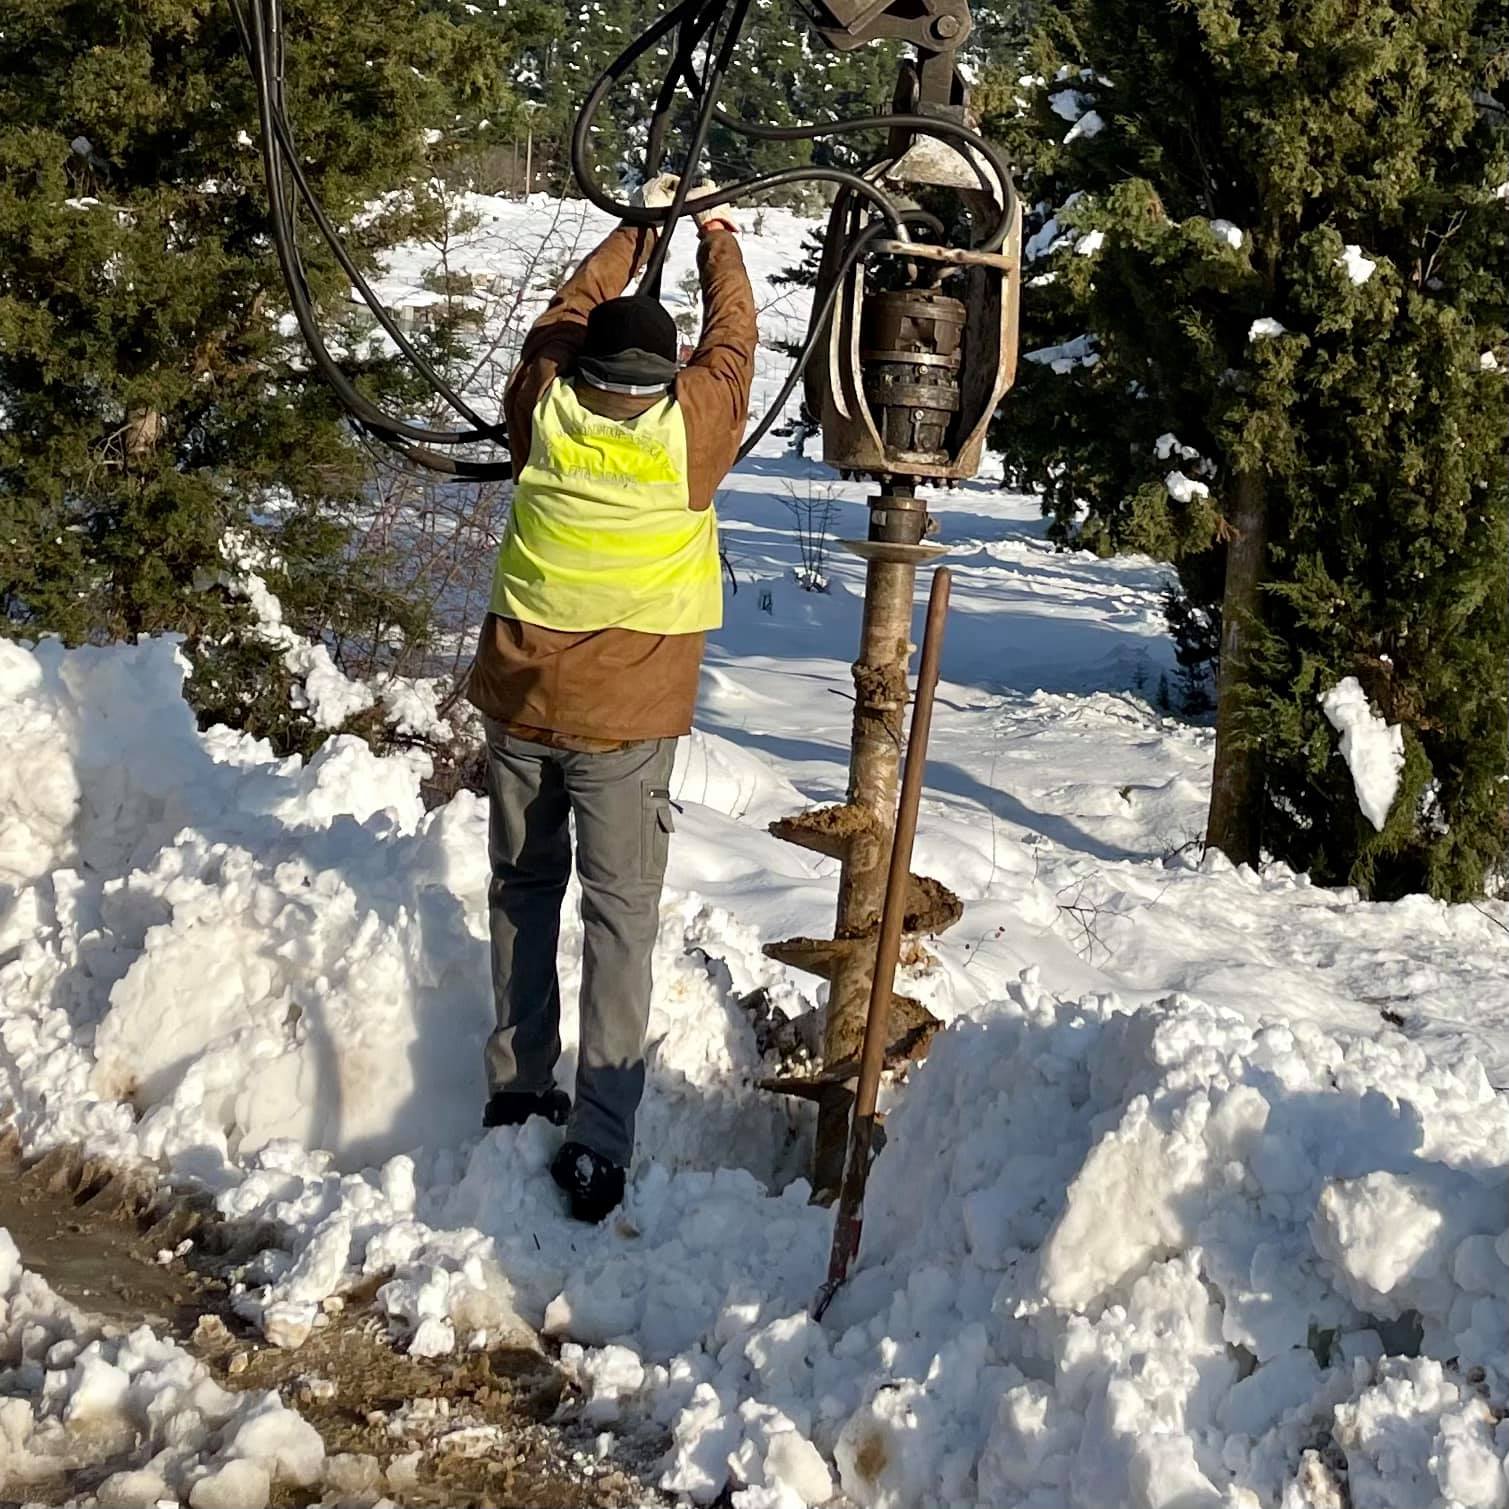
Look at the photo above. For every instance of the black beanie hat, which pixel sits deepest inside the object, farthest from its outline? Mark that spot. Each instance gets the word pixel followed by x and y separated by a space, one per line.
pixel 631 343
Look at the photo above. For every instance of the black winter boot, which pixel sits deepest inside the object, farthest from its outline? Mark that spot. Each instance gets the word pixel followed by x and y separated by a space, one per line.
pixel 512 1108
pixel 594 1185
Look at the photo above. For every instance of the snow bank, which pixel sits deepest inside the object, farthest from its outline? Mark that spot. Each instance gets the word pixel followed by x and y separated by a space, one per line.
pixel 1164 1256
pixel 262 950
pixel 1372 747
pixel 272 977
pixel 1147 1258
pixel 251 957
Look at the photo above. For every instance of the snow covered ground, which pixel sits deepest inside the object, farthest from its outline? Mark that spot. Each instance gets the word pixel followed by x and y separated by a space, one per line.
pixel 1200 1201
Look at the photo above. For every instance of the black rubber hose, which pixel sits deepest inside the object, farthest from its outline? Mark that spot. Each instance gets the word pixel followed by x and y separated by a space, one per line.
pixel 926 124
pixel 697 21
pixel 332 236
pixel 484 429
pixel 291 270
pixel 285 238
pixel 817 325
pixel 692 31
pixel 694 28
pixel 679 16
pixel 717 63
pixel 694 25
pixel 908 120
pixel 635 214
pixel 263 48
pixel 374 303
pixel 461 467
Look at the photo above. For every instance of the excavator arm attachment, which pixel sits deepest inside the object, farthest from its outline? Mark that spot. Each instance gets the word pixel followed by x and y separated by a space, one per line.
pixel 920 345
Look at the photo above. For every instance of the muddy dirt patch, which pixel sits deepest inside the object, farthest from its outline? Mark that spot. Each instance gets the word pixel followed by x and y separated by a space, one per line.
pixel 484 1428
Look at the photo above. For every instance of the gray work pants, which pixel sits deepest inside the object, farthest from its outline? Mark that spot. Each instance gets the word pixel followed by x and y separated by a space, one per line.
pixel 621 802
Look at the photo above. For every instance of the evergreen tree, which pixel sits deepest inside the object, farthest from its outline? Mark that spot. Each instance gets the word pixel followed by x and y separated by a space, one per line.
pixel 1268 300
pixel 1197 637
pixel 152 397
pixel 1003 31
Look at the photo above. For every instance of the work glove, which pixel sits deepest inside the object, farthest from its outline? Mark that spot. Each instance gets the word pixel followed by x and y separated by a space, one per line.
pixel 719 215
pixel 660 190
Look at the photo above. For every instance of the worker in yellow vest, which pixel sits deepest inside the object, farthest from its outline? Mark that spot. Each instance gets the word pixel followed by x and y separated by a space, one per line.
pixel 606 582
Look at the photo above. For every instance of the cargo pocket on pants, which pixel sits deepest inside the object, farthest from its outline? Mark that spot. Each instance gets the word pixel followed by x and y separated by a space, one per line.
pixel 656 827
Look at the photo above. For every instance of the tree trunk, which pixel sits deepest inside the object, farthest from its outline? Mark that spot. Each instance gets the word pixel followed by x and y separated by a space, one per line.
pixel 1236 786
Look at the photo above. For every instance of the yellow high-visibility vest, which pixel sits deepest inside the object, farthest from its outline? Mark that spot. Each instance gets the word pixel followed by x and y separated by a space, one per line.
pixel 600 535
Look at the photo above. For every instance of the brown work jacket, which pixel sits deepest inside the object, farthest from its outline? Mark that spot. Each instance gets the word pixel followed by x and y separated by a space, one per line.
pixel 614 686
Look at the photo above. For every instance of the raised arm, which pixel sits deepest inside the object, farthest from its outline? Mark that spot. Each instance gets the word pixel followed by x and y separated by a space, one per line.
pixel 713 390
pixel 556 337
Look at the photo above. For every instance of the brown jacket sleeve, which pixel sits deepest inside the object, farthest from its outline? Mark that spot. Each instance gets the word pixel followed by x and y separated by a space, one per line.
pixel 713 390
pixel 556 337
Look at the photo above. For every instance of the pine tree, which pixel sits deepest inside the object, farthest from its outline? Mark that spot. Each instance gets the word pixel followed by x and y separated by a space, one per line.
pixel 1269 304
pixel 1197 636
pixel 152 397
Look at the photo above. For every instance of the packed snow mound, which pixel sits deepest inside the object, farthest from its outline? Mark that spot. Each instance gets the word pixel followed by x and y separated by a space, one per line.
pixel 1161 1255
pixel 1197 1232
pixel 1151 1258
pixel 253 957
pixel 246 950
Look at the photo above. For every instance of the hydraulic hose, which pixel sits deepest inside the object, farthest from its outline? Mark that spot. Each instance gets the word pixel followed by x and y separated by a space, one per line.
pixel 290 160
pixel 582 166
pixel 711 25
pixel 716 64
pixel 262 40
pixel 693 28
pixel 278 151
pixel 819 323
pixel 687 15
pixel 695 19
pixel 927 124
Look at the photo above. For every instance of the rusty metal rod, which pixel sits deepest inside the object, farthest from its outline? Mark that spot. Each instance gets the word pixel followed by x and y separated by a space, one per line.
pixel 847 1224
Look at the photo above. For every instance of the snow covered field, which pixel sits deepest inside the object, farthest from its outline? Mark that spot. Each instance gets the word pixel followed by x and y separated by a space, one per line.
pixel 1200 1201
